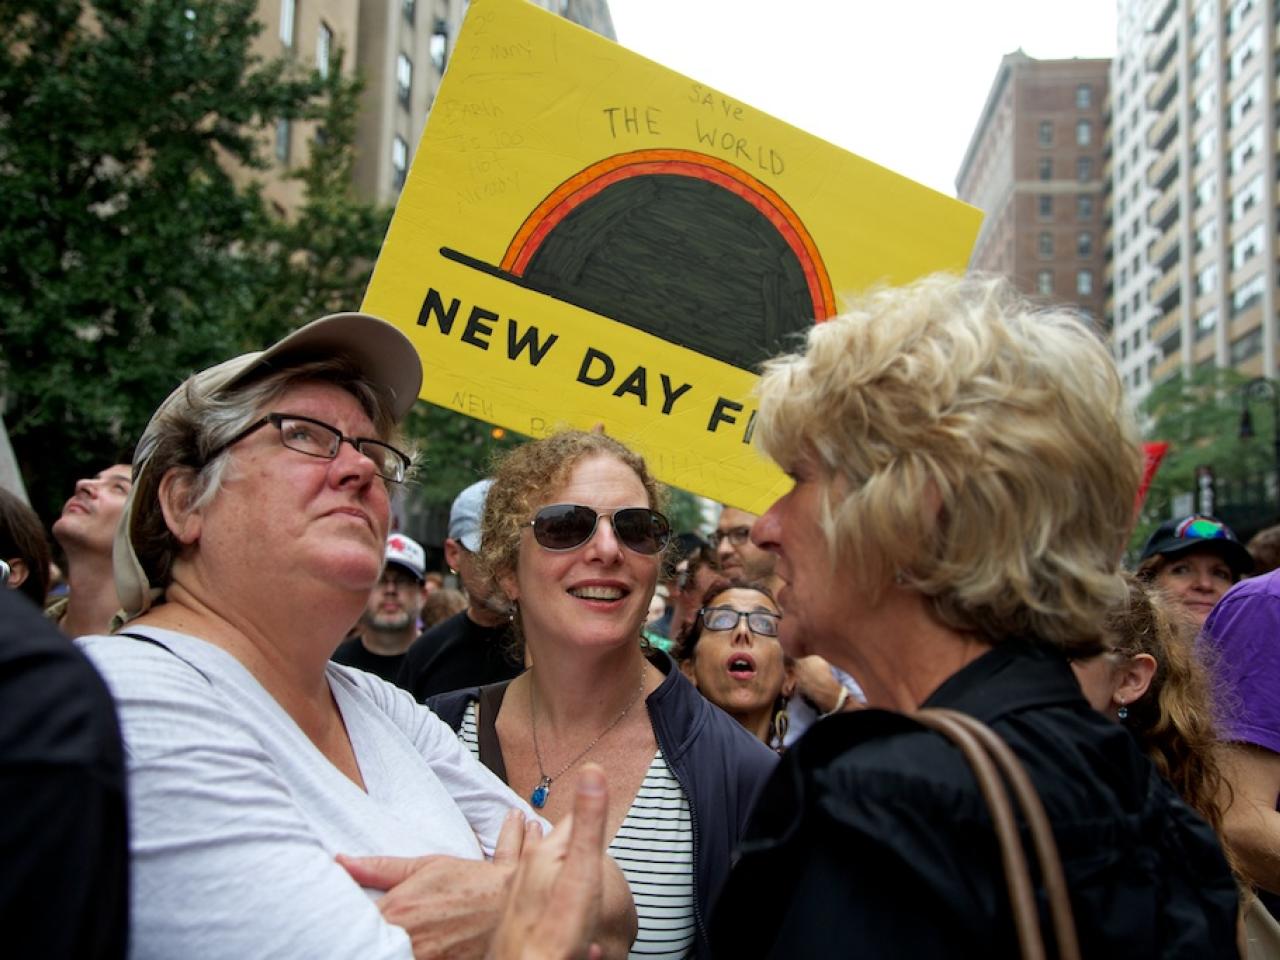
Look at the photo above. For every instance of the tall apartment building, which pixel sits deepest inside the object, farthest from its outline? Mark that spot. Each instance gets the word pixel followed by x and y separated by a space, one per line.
pixel 1034 167
pixel 1192 197
pixel 401 49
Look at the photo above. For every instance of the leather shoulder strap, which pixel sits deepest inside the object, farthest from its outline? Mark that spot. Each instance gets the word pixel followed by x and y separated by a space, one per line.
pixel 989 756
pixel 486 731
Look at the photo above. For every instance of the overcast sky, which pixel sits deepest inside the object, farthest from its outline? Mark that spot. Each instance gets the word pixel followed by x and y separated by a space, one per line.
pixel 900 82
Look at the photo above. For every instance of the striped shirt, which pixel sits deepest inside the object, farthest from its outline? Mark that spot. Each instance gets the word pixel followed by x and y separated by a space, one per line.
pixel 654 848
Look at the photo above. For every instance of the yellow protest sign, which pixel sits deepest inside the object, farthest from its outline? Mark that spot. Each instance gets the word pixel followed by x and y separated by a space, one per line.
pixel 586 237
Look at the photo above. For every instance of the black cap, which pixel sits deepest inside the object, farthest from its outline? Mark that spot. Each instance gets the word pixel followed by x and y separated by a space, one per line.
pixel 1185 534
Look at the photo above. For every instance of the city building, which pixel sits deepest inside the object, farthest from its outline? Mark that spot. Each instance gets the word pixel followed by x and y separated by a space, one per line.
pixel 1034 167
pixel 1192 173
pixel 400 48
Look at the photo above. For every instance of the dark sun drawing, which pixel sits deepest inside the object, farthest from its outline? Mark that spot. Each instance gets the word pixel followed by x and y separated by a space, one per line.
pixel 678 244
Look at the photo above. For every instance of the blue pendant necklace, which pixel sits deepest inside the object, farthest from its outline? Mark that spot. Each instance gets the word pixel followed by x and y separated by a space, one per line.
pixel 543 790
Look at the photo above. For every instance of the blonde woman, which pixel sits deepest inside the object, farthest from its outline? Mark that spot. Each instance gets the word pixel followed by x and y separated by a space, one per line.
pixel 964 470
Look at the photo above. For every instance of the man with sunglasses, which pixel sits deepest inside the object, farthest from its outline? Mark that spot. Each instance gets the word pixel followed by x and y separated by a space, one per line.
pixel 470 648
pixel 389 623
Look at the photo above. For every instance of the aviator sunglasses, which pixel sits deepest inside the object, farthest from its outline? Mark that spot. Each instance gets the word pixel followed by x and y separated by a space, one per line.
pixel 564 526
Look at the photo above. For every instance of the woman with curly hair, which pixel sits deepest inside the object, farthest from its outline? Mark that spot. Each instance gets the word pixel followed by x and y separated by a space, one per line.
pixel 1153 683
pixel 573 537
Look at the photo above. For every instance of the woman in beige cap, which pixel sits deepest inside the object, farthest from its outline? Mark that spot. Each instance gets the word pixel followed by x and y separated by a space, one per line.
pixel 250 542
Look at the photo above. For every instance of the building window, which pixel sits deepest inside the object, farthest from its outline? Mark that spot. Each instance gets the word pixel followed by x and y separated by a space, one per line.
pixel 1205 190
pixel 1046 133
pixel 1084 206
pixel 410 9
pixel 1244 102
pixel 1207 280
pixel 1206 100
pixel 1246 198
pixel 1247 247
pixel 1206 323
pixel 1239 10
pixel 1044 282
pixel 1245 51
pixel 1206 145
pixel 399 161
pixel 1046 244
pixel 404 79
pixel 1046 206
pixel 1084 96
pixel 1084 169
pixel 1084 133
pixel 1046 168
pixel 1246 149
pixel 324 49
pixel 288 18
pixel 284 133
pixel 1246 346
pixel 439 45
pixel 1247 294
pixel 1084 283
pixel 1084 244
pixel 1206 234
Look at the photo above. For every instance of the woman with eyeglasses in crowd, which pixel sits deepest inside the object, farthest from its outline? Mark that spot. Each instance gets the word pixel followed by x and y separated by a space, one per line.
pixel 255 529
pixel 574 538
pixel 732 654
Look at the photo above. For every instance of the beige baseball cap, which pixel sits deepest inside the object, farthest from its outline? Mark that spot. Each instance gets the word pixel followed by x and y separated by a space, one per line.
pixel 379 350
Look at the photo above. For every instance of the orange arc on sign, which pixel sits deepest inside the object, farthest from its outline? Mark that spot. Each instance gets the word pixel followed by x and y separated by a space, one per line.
pixel 687 163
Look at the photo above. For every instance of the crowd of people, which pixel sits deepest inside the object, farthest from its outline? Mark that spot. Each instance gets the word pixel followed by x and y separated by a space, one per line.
pixel 309 744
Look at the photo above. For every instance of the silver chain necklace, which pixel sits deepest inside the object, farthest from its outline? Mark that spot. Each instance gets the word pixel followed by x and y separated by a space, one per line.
pixel 543 790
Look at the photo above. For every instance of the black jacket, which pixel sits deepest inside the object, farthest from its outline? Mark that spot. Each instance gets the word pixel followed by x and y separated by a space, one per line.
pixel 64 887
pixel 456 653
pixel 720 766
pixel 872 840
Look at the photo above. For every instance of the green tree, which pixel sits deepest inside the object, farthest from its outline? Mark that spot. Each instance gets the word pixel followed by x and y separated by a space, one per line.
pixel 131 254
pixel 1199 417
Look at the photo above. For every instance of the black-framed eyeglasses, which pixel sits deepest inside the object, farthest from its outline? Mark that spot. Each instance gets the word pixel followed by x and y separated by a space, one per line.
pixel 759 622
pixel 565 526
pixel 316 438
pixel 736 536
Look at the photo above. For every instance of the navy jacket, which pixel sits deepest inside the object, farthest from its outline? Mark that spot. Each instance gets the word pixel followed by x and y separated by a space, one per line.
pixel 720 766
pixel 872 839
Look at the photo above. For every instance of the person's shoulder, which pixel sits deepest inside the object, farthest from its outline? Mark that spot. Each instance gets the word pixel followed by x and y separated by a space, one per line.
pixel 879 752
pixel 1247 607
pixel 452 706
pixel 52 700
pixel 348 648
pixel 155 665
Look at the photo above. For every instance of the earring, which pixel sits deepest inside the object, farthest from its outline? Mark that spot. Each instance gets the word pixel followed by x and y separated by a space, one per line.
pixel 781 723
pixel 453 571
pixel 1123 713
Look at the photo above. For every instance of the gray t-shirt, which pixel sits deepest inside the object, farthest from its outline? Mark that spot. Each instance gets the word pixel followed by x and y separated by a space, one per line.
pixel 236 817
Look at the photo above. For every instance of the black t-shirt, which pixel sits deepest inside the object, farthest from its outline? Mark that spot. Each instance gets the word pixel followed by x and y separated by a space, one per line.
pixel 64 888
pixel 457 653
pixel 352 653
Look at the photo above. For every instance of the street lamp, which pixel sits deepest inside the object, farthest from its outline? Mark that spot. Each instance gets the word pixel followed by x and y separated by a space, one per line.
pixel 1261 386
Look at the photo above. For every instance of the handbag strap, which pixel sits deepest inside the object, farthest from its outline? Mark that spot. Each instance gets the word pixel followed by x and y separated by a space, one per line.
pixel 989 756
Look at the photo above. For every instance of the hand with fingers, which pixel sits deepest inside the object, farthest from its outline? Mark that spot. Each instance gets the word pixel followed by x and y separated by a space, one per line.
pixel 554 906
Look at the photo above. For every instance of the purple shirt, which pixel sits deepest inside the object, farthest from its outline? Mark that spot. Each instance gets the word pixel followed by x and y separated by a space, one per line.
pixel 1242 641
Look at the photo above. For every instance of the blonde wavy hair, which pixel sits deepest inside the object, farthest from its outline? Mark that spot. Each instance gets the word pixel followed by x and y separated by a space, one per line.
pixel 971 445
pixel 525 477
